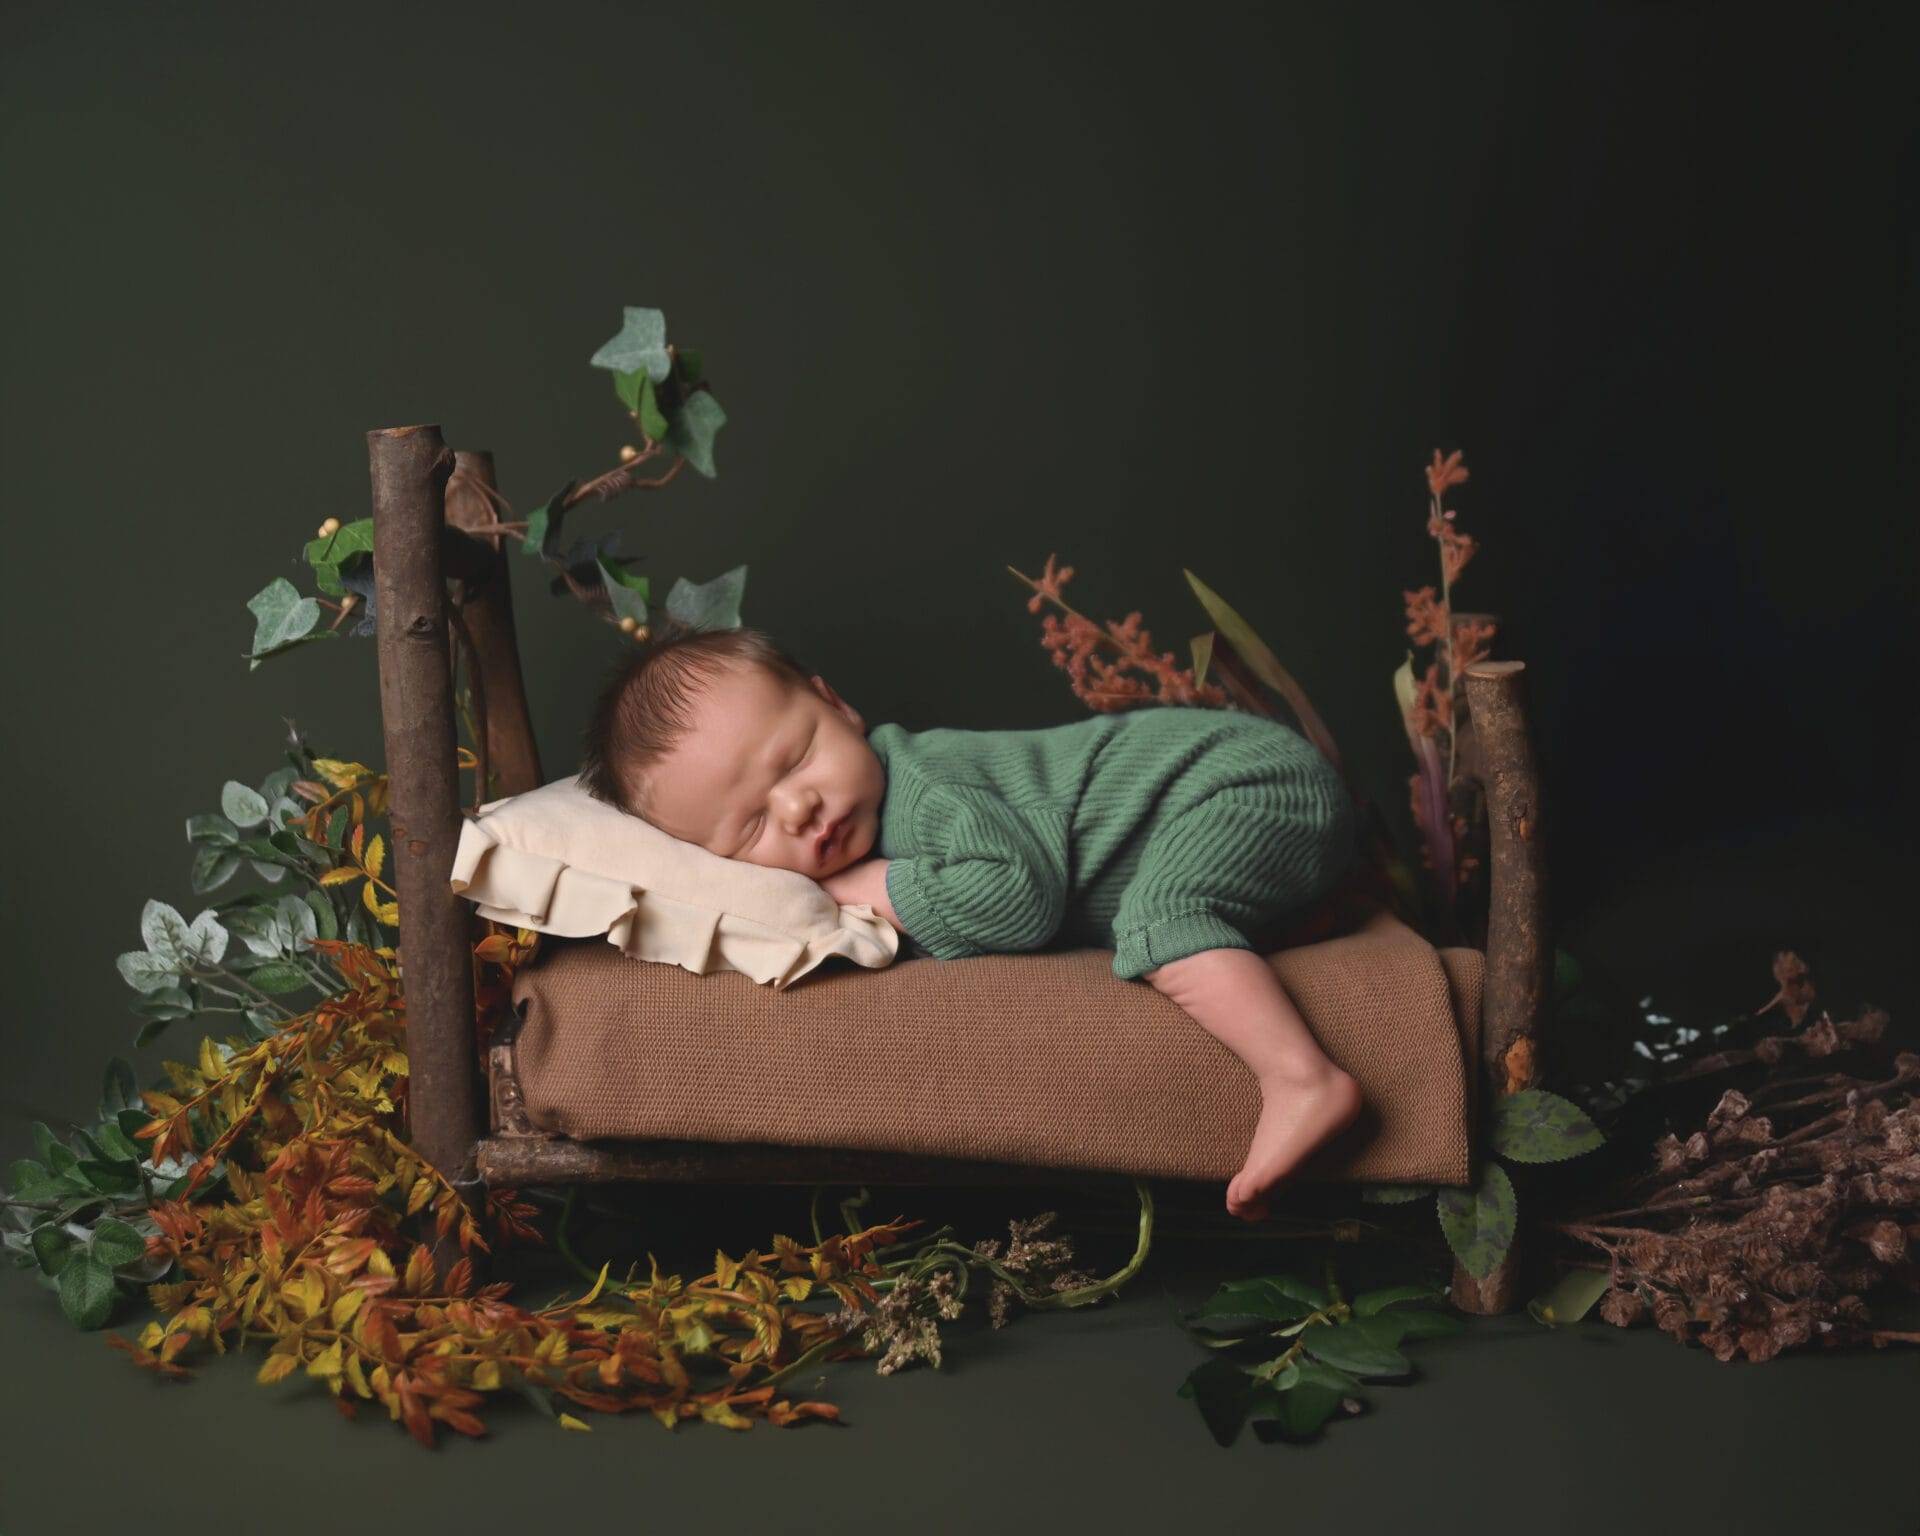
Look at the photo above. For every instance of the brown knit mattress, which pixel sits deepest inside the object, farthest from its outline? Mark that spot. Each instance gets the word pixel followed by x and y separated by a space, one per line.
pixel 1044 1059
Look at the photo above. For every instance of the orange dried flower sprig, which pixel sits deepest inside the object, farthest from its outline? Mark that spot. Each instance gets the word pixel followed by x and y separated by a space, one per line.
pixel 1100 684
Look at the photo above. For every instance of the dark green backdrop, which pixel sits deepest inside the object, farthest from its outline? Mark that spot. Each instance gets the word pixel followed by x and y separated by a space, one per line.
pixel 1197 287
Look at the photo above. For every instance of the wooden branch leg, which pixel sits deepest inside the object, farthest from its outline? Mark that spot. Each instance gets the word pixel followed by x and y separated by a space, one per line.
pixel 1519 942
pixel 410 467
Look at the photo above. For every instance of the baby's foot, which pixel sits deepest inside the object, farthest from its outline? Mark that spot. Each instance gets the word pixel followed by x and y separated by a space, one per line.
pixel 1296 1115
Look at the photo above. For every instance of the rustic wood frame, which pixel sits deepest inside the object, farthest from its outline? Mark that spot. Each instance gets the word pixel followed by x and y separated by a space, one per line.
pixel 478 1133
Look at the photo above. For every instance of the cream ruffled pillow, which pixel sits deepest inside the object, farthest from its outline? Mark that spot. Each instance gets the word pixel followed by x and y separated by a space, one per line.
pixel 559 861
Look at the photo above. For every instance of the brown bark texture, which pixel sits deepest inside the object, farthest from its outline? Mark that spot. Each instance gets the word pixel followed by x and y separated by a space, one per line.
pixel 409 468
pixel 1519 940
pixel 512 756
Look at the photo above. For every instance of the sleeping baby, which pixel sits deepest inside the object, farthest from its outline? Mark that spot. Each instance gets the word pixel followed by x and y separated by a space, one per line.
pixel 1175 836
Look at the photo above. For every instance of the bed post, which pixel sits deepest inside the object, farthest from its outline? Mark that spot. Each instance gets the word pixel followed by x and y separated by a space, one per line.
pixel 1519 938
pixel 513 758
pixel 410 467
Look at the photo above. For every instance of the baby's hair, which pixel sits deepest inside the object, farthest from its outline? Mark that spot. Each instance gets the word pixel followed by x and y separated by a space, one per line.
pixel 645 706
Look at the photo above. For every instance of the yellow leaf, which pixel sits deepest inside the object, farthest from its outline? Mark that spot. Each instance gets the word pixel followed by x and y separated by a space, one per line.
pixel 486 1376
pixel 345 1305
pixel 378 1263
pixel 568 1421
pixel 356 1374
pixel 797 1287
pixel 418 1196
pixel 720 1413
pixel 327 1364
pixel 376 857
pixel 388 912
pixel 370 898
pixel 307 1291
pixel 604 1317
pixel 277 1368
pixel 338 773
pixel 551 1350
pixel 725 1270
pixel 339 876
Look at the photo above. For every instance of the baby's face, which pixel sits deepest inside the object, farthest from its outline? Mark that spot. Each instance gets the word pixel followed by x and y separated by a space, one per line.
pixel 765 770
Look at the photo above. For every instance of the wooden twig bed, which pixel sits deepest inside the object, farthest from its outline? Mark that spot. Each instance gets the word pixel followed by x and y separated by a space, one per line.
pixel 474 1130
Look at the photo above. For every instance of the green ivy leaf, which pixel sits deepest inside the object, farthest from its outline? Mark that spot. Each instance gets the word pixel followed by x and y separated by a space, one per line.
pixel 282 618
pixel 543 522
pixel 168 1002
pixel 688 361
pixel 647 408
pixel 108 1178
pixel 1479 1222
pixel 1302 1412
pixel 86 1292
pixel 627 387
pixel 1534 1126
pixel 115 1243
pixel 640 344
pixel 692 428
pixel 712 605
pixel 118 1145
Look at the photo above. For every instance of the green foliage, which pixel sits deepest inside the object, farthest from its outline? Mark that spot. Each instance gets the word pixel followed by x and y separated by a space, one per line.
pixel 1290 1355
pixel 282 620
pixel 1479 1222
pixel 640 345
pixel 692 428
pixel 712 605
pixel 1534 1126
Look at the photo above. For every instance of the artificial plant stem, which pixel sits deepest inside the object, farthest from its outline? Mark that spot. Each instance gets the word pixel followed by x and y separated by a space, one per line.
pixel 560 1237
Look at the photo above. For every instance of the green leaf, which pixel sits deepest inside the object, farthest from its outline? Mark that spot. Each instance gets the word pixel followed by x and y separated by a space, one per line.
pixel 242 806
pixel 119 1089
pixel 1369 1302
pixel 712 605
pixel 647 408
pixel 689 361
pixel 337 827
pixel 212 868
pixel 692 428
pixel 1302 1412
pixel 52 1247
pixel 641 344
pixel 1298 1290
pixel 130 1120
pixel 1426 1323
pixel 1243 1304
pixel 1479 1222
pixel 209 828
pixel 115 1243
pixel 1351 1349
pixel 108 1178
pixel 326 921
pixel 627 387
pixel 282 616
pixel 23 1172
pixel 1570 1298
pixel 1393 1194
pixel 278 976
pixel 1239 634
pixel 627 594
pixel 153 1029
pixel 1534 1126
pixel 543 522
pixel 44 1141
pixel 86 1292
pixel 166 1003
pixel 118 1145
pixel 1223 1393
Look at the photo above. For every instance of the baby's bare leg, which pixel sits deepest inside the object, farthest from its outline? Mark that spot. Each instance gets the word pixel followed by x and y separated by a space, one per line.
pixel 1304 1097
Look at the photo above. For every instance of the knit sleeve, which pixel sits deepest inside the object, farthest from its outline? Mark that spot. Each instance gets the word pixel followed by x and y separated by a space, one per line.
pixel 994 878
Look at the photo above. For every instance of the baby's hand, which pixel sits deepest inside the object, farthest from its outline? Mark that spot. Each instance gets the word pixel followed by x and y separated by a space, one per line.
pixel 865 881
